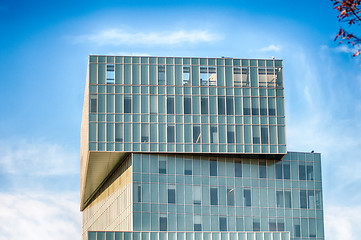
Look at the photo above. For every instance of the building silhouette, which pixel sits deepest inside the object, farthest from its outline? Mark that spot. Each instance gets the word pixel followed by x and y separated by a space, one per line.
pixel 180 148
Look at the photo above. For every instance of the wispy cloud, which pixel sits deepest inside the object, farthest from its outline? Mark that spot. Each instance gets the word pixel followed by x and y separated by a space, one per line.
pixel 271 48
pixel 117 37
pixel 37 157
pixel 343 222
pixel 40 216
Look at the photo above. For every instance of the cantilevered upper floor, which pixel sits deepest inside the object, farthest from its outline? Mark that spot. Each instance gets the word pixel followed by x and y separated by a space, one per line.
pixel 180 105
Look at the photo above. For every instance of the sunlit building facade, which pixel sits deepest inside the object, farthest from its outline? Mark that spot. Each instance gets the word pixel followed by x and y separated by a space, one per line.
pixel 193 148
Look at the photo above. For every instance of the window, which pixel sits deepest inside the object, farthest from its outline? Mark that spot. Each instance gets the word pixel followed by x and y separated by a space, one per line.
pixel 279 170
pixel 245 76
pixel 230 196
pixel 153 104
pixel 214 196
pixel 237 76
pixel 246 106
pixel 230 107
pixel 170 134
pixel 310 172
pixel 161 75
pixel 145 132
pixel 312 227
pixel 303 199
pixel 239 224
pixel 203 75
pixel 230 134
pixel 118 132
pixel 222 224
pixel 318 199
pixel 170 105
pixel 197 223
pixel 163 223
pixel 171 194
pixel 286 171
pixel 279 196
pixel 280 225
pixel 264 135
pixel 271 107
pixel 187 167
pixel 263 109
pixel 255 107
pixel 162 167
pixel 204 105
pixel 288 202
pixel 221 106
pixel 93 103
pixel 262 169
pixel 272 225
pixel 297 230
pixel 196 134
pixel 302 172
pixel 311 199
pixel 110 73
pixel 187 105
pixel 197 195
pixel 256 225
pixel 214 134
pixel 213 168
pixel 247 197
pixel 137 192
pixel 127 104
pixel 238 169
pixel 186 75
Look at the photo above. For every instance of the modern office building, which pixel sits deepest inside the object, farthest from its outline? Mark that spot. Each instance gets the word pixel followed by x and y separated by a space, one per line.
pixel 176 148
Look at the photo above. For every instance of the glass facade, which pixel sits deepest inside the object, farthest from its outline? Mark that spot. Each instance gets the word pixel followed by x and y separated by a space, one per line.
pixel 202 105
pixel 176 148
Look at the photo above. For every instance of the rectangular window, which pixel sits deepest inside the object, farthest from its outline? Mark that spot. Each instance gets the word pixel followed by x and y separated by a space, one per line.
pixel 214 134
pixel 297 230
pixel 230 107
pixel 239 224
pixel 279 195
pixel 230 134
pixel 127 105
pixel 153 104
pixel 272 225
pixel 303 199
pixel 280 226
pixel 187 105
pixel 221 106
pixel 139 189
pixel 171 195
pixel 187 167
pixel 214 196
pixel 222 224
pixel 302 172
pixel 170 134
pixel 279 170
pixel 286 171
pixel 197 223
pixel 118 132
pixel 93 103
pixel 247 197
pixel 170 105
pixel 145 132
pixel 237 76
pixel 186 75
pixel 238 169
pixel 271 107
pixel 203 75
pixel 197 195
pixel 212 79
pixel 161 75
pixel 213 168
pixel 309 172
pixel 110 73
pixel 264 135
pixel 204 105
pixel 318 199
pixel 196 134
pixel 311 199
pixel 255 107
pixel 163 223
pixel 256 225
pixel 288 202
pixel 230 196
pixel 262 169
pixel 162 167
pixel 263 109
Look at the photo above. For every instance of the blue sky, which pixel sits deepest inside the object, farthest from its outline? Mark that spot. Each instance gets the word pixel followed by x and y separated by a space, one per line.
pixel 44 48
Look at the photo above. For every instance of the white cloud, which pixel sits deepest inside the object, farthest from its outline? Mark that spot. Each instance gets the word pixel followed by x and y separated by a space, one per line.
pixel 37 157
pixel 117 37
pixel 343 222
pixel 346 49
pixel 271 48
pixel 40 216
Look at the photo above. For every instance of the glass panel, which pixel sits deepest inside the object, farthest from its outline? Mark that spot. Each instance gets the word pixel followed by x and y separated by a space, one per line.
pixel 214 196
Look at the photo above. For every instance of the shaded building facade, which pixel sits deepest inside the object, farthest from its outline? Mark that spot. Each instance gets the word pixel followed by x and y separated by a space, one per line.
pixel 193 148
